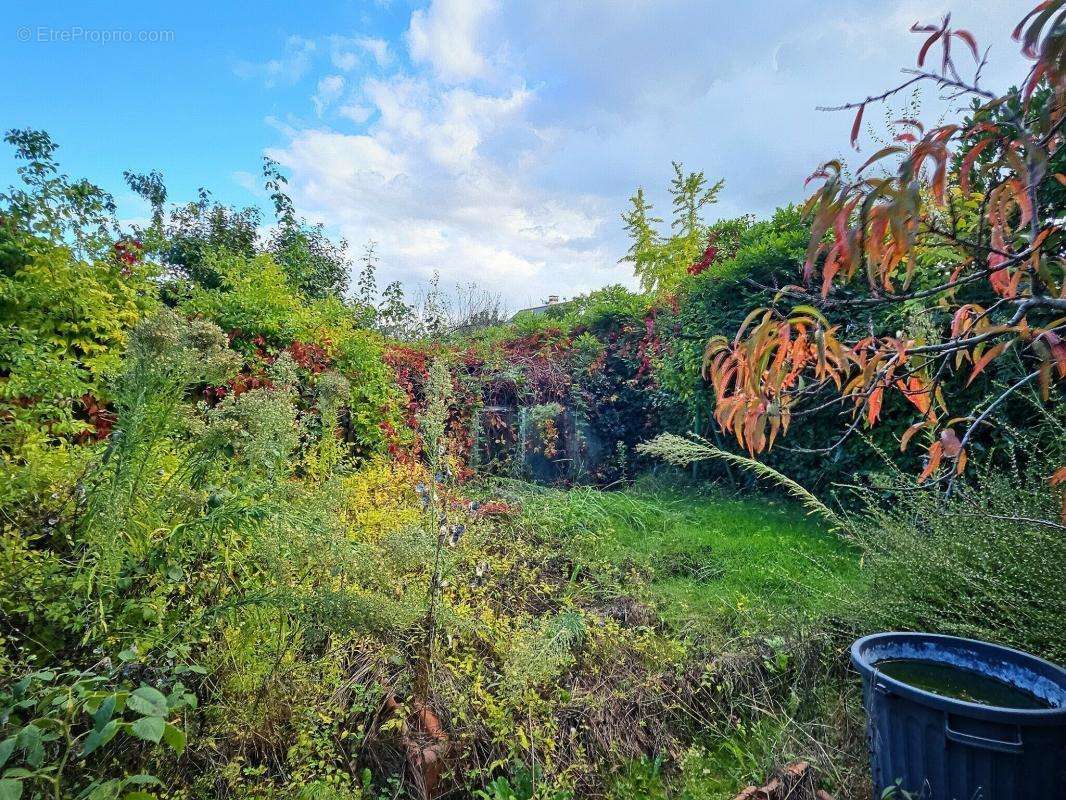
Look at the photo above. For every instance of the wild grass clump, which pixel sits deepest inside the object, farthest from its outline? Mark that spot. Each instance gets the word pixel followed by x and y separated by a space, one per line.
pixel 682 452
pixel 986 563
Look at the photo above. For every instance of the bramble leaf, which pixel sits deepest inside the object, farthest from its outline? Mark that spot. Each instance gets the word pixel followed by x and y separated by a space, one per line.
pixel 148 701
pixel 150 729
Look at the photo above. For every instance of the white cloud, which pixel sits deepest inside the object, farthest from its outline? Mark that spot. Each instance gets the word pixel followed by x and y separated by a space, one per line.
pixel 246 180
pixel 347 52
pixel 327 93
pixel 378 48
pixel 505 151
pixel 341 55
pixel 286 70
pixel 447 37
pixel 344 60
pixel 356 112
pixel 426 182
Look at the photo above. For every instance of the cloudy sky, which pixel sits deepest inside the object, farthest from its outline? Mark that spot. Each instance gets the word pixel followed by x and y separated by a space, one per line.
pixel 495 141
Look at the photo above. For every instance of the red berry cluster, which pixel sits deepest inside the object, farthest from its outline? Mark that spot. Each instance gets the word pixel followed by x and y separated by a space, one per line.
pixel 129 251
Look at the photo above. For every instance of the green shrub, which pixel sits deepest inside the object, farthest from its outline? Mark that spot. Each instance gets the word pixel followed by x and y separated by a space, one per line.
pixel 986 563
pixel 253 298
pixel 56 733
pixel 63 326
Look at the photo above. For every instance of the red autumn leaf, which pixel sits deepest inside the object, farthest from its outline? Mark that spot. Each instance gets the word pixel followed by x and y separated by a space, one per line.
pixel 968 37
pixel 1000 279
pixel 1058 351
pixel 873 409
pixel 917 392
pixel 884 151
pixel 1016 34
pixel 968 161
pixel 855 126
pixel 1034 80
pixel 928 42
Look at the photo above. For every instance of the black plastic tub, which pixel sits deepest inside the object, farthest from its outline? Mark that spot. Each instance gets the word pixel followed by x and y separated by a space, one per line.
pixel 942 748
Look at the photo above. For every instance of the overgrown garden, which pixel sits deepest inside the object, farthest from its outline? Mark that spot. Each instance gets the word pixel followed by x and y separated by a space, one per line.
pixel 266 534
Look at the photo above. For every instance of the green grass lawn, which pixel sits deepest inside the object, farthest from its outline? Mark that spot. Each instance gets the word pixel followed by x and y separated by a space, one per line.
pixel 713 560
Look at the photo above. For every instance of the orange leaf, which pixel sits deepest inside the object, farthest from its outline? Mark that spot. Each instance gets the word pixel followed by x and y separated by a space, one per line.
pixel 986 359
pixel 1021 197
pixel 1040 237
pixel 907 434
pixel 936 453
pixel 968 161
pixel 873 409
pixel 916 391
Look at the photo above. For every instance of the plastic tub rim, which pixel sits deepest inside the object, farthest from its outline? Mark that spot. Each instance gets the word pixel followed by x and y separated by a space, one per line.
pixel 1055 715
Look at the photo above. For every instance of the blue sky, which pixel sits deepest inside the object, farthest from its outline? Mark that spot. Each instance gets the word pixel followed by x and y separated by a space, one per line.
pixel 492 141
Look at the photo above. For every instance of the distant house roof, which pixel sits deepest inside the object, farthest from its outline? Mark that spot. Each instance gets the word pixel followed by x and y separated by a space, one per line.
pixel 553 302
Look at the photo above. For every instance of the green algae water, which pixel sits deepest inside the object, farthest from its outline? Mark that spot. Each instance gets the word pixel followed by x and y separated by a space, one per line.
pixel 957 683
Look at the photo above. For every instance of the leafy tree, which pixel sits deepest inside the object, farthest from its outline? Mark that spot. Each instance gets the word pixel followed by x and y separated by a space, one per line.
pixel 395 317
pixel 316 265
pixel 368 282
pixel 960 241
pixel 661 262
pixel 197 230
pixel 274 181
pixel 150 187
pixel 52 206
pixel 68 297
pixel 640 225
pixel 690 193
